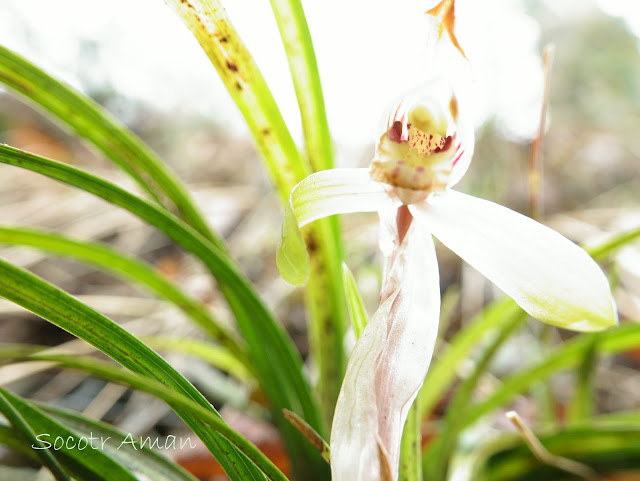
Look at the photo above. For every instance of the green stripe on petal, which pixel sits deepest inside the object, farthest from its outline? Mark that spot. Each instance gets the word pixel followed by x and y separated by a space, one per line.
pixel 325 193
pixel 549 276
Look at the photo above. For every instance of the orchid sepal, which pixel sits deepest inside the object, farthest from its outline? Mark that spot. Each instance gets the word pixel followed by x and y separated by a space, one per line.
pixel 550 277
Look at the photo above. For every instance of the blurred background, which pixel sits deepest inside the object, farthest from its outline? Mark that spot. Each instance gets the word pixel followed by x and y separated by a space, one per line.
pixel 137 60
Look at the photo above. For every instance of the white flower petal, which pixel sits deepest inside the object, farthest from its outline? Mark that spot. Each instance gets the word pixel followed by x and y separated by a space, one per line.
pixel 325 193
pixel 551 278
pixel 354 451
pixel 412 330
pixel 336 191
pixel 388 364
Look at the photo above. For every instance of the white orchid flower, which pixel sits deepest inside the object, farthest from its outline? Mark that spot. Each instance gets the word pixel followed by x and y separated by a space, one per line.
pixel 423 152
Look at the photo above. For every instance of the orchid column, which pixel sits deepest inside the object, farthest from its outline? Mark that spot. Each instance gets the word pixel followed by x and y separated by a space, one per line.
pixel 424 150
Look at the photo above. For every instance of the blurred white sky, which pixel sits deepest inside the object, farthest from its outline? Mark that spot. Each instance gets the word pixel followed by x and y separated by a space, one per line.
pixel 368 53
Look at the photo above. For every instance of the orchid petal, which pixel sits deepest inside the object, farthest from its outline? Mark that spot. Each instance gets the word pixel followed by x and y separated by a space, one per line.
pixel 388 364
pixel 354 451
pixel 325 193
pixel 550 277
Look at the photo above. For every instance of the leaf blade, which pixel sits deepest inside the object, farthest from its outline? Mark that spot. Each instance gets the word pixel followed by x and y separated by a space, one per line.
pixel 622 338
pixel 93 123
pixel 278 364
pixel 126 267
pixel 306 81
pixel 16 418
pixel 61 309
pixel 151 386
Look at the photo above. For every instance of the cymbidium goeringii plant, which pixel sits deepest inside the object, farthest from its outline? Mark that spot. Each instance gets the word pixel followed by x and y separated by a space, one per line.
pixel 423 151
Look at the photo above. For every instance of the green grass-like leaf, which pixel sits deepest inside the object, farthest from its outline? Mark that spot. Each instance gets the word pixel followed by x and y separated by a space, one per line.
pixel 208 22
pixel 436 460
pixel 410 468
pixel 583 402
pixel 141 459
pixel 567 356
pixel 277 363
pixel 25 424
pixel 217 356
pixel 326 307
pixel 85 464
pixel 151 386
pixel 93 123
pixel 61 309
pixel 306 81
pixel 129 268
pixel 605 449
pixel 444 371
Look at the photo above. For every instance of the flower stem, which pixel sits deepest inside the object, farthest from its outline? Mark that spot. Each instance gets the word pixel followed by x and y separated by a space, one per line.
pixel 535 158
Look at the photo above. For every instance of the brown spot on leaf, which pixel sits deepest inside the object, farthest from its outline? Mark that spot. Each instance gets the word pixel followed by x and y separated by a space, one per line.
pixel 232 66
pixel 312 245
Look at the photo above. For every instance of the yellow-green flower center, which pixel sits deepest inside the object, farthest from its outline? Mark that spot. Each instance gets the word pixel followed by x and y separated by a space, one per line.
pixel 415 153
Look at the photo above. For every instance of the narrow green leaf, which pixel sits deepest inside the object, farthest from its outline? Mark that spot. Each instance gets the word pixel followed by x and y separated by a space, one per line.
pixel 569 355
pixel 140 459
pixel 605 449
pixel 616 242
pixel 16 417
pixel 444 371
pixel 94 124
pixel 327 312
pixel 582 404
pixel 277 363
pixel 411 447
pixel 208 22
pixel 63 310
pixel 615 419
pixel 126 267
pixel 436 460
pixel 541 392
pixel 86 463
pixel 357 312
pixel 8 438
pixel 218 357
pixel 175 399
pixel 306 81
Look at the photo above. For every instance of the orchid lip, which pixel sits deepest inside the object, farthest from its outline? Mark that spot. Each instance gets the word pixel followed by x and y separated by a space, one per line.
pixel 417 152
